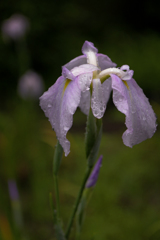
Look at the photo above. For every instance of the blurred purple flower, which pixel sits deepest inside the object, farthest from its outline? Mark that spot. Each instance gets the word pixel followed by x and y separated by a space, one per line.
pixel 13 191
pixel 97 72
pixel 15 27
pixel 30 85
pixel 91 182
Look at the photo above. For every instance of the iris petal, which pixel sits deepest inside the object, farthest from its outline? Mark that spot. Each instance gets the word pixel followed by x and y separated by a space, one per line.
pixel 59 106
pixel 140 118
pixel 76 62
pixel 104 61
pixel 98 104
pixel 85 102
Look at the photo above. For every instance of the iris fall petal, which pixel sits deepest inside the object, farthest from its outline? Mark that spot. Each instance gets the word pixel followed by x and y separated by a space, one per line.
pixel 140 118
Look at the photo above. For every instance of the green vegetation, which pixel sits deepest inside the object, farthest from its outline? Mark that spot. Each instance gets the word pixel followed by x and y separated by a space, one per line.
pixel 125 202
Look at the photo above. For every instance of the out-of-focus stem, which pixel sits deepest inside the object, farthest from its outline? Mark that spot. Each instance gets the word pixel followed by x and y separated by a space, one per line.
pixel 57 195
pixel 77 201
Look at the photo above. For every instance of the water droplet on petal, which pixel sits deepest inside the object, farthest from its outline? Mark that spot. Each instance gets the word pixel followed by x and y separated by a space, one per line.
pixel 49 105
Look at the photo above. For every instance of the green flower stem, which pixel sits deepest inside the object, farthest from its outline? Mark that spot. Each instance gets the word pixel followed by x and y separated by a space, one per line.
pixel 56 164
pixel 57 195
pixel 78 201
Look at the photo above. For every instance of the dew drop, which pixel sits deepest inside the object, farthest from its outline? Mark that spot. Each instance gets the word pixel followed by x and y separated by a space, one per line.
pixel 49 105
pixel 66 128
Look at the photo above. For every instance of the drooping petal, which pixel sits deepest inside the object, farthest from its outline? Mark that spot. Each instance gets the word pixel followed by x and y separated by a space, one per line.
pixel 105 62
pixel 140 118
pixel 107 88
pixel 98 104
pixel 70 102
pixel 59 104
pixel 85 102
pixel 48 99
pixel 76 62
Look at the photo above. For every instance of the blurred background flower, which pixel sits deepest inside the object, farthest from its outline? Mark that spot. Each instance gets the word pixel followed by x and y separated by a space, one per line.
pixel 30 85
pixel 15 27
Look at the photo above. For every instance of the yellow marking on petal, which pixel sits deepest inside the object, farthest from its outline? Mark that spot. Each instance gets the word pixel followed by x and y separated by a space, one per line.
pixel 66 84
pixel 126 84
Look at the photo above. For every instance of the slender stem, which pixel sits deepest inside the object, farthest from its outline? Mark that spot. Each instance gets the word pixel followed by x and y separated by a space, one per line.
pixel 77 201
pixel 57 195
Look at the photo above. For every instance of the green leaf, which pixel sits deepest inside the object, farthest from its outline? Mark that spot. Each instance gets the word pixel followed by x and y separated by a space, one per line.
pixel 80 216
pixel 57 158
pixel 57 225
pixel 59 232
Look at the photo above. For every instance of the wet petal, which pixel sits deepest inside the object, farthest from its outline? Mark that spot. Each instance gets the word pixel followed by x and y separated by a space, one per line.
pixel 59 106
pixel 105 62
pixel 84 74
pixel 67 73
pixel 140 118
pixel 107 88
pixel 84 68
pixel 98 104
pixel 76 62
pixel 84 81
pixel 85 102
pixel 49 97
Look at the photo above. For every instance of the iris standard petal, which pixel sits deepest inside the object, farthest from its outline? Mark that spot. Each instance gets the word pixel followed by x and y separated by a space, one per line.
pixel 98 104
pixel 140 118
pixel 88 47
pixel 89 50
pixel 105 62
pixel 76 62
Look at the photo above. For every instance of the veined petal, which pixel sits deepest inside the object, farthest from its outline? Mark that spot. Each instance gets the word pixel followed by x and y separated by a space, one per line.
pixel 67 73
pixel 76 62
pixel 88 47
pixel 107 88
pixel 140 118
pixel 104 61
pixel 59 104
pixel 84 81
pixel 98 104
pixel 48 98
pixel 84 74
pixel 84 68
pixel 85 102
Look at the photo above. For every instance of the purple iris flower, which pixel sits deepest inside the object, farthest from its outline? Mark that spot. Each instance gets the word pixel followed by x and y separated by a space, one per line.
pixel 91 182
pixel 86 82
